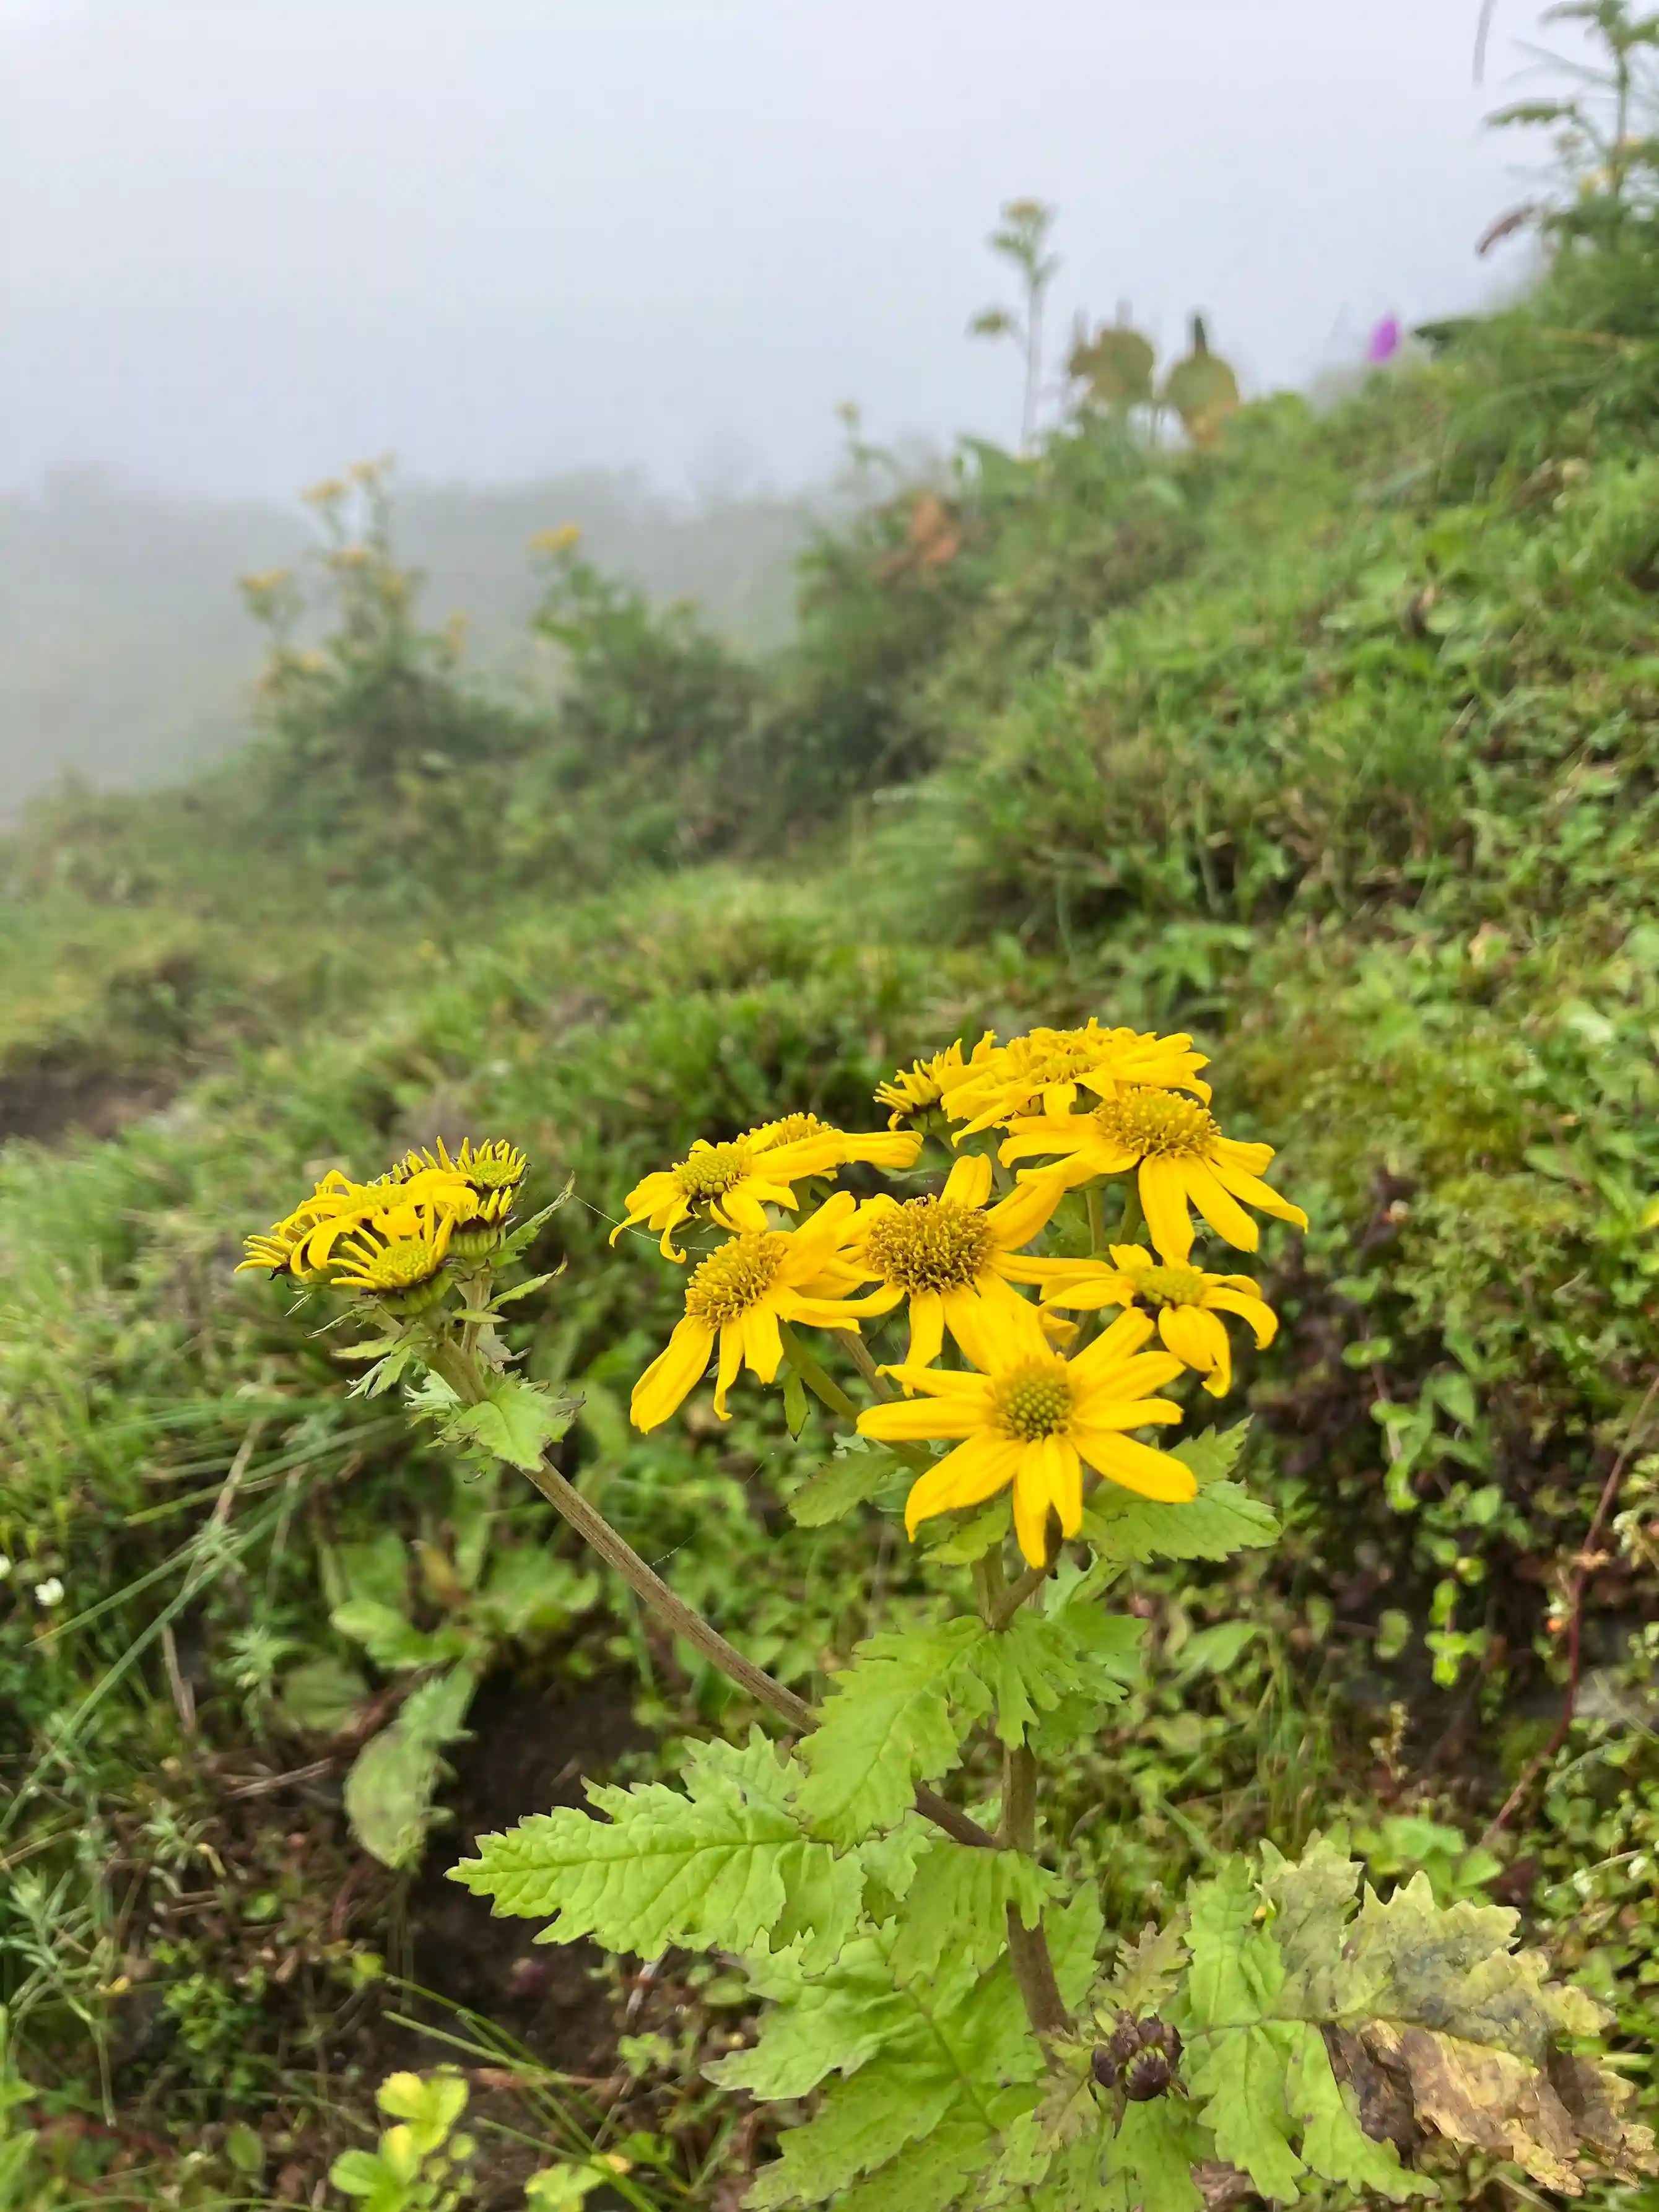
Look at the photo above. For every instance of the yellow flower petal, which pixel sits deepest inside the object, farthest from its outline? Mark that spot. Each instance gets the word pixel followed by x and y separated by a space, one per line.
pixel 672 1375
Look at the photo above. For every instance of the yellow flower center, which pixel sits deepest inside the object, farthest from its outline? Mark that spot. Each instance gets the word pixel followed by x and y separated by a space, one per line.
pixel 1150 1123
pixel 713 1171
pixel 1169 1286
pixel 929 1244
pixel 791 1130
pixel 494 1167
pixel 403 1265
pixel 730 1282
pixel 1035 1401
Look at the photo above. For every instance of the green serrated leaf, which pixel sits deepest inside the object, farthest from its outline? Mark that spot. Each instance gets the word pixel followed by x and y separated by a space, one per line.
pixel 863 2123
pixel 1213 1456
pixel 956 1906
pixel 1145 1973
pixel 515 1422
pixel 859 1470
pixel 390 1637
pixel 1077 1651
pixel 723 1867
pixel 831 2026
pixel 1148 2162
pixel 1221 1520
pixel 519 1240
pixel 928 2176
pixel 981 1534
pixel 1235 2064
pixel 895 1718
pixel 319 1697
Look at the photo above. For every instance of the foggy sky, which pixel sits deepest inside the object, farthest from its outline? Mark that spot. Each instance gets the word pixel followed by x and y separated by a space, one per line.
pixel 242 242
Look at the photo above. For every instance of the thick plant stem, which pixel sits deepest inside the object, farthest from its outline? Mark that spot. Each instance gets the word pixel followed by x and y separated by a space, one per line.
pixel 675 1613
pixel 823 1387
pixel 1028 1948
pixel 463 1377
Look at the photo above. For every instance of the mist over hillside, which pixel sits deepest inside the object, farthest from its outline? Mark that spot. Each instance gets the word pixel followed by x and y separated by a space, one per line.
pixel 126 654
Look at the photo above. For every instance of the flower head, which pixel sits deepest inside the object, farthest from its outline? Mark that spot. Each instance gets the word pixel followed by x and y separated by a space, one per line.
pixel 1179 1155
pixel 1035 1420
pixel 399 1257
pixel 733 1184
pixel 736 1297
pixel 1186 1301
pixel 1046 1068
pixel 938 1254
pixel 302 1242
pixel 924 1084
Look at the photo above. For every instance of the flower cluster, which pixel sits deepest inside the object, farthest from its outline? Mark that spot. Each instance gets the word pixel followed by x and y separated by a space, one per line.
pixel 396 1240
pixel 1027 1403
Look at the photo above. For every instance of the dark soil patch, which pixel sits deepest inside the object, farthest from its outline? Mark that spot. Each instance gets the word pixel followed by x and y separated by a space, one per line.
pixel 60 1096
pixel 532 1746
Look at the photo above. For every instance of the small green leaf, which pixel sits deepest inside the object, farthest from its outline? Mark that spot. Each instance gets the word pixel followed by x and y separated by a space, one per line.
pixel 516 1421
pixel 795 1407
pixel 390 1637
pixel 982 1534
pixel 859 1470
pixel 320 1698
pixel 957 1904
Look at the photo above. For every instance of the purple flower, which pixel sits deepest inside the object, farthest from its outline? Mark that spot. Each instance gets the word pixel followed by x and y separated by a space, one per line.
pixel 1384 341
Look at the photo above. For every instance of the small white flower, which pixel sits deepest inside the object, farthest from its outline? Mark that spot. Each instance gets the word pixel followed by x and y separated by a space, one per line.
pixel 49 1592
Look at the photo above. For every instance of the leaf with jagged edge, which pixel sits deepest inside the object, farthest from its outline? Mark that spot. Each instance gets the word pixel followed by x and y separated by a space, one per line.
pixel 1233 2063
pixel 514 1420
pixel 1223 1519
pixel 1076 1651
pixel 859 1471
pixel 1148 2161
pixel 1145 1973
pixel 956 1905
pixel 834 2024
pixel 724 1866
pixel 895 1718
pixel 929 2176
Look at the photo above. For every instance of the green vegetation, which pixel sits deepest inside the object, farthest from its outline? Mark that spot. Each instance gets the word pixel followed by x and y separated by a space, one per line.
pixel 1334 742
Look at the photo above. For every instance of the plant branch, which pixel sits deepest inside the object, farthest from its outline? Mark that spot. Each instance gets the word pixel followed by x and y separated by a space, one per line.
pixel 858 1352
pixel 1016 1594
pixel 822 1387
pixel 1028 1948
pixel 1586 1562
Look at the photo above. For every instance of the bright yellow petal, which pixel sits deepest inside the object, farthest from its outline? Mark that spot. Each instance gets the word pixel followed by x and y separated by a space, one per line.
pixel 926 1329
pixel 1031 1507
pixel 1260 1316
pixel 1251 1188
pixel 911 1420
pixel 975 1470
pixel 1132 1259
pixel 1163 1186
pixel 763 1346
pixel 1254 1159
pixel 969 1183
pixel 672 1375
pixel 1029 1207
pixel 1114 1346
pixel 1199 1340
pixel 1062 1471
pixel 731 1361
pixel 1135 1466
pixel 995 1336
pixel 1223 1212
pixel 1088 1294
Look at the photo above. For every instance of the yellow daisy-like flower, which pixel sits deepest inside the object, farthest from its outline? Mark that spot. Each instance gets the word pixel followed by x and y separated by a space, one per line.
pixel 399 1257
pixel 1044 1069
pixel 944 1253
pixel 494 1165
pixel 1186 1301
pixel 1179 1155
pixel 302 1241
pixel 924 1084
pixel 734 1183
pixel 736 1297
pixel 1035 1420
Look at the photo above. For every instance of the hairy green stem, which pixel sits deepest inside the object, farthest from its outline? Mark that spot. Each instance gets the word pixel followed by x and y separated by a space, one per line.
pixel 1015 1596
pixel 590 1525
pixel 858 1352
pixel 1028 1948
pixel 823 1387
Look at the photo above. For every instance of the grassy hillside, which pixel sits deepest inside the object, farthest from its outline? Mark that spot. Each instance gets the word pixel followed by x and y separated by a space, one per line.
pixel 1334 744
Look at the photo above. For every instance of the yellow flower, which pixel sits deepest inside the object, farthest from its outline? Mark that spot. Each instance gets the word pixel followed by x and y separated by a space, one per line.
pixel 1185 1300
pixel 492 1166
pixel 399 1257
pixel 944 1253
pixel 922 1085
pixel 737 1296
pixel 734 1183
pixel 557 540
pixel 1181 1157
pixel 302 1241
pixel 1035 1420
pixel 1045 1068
